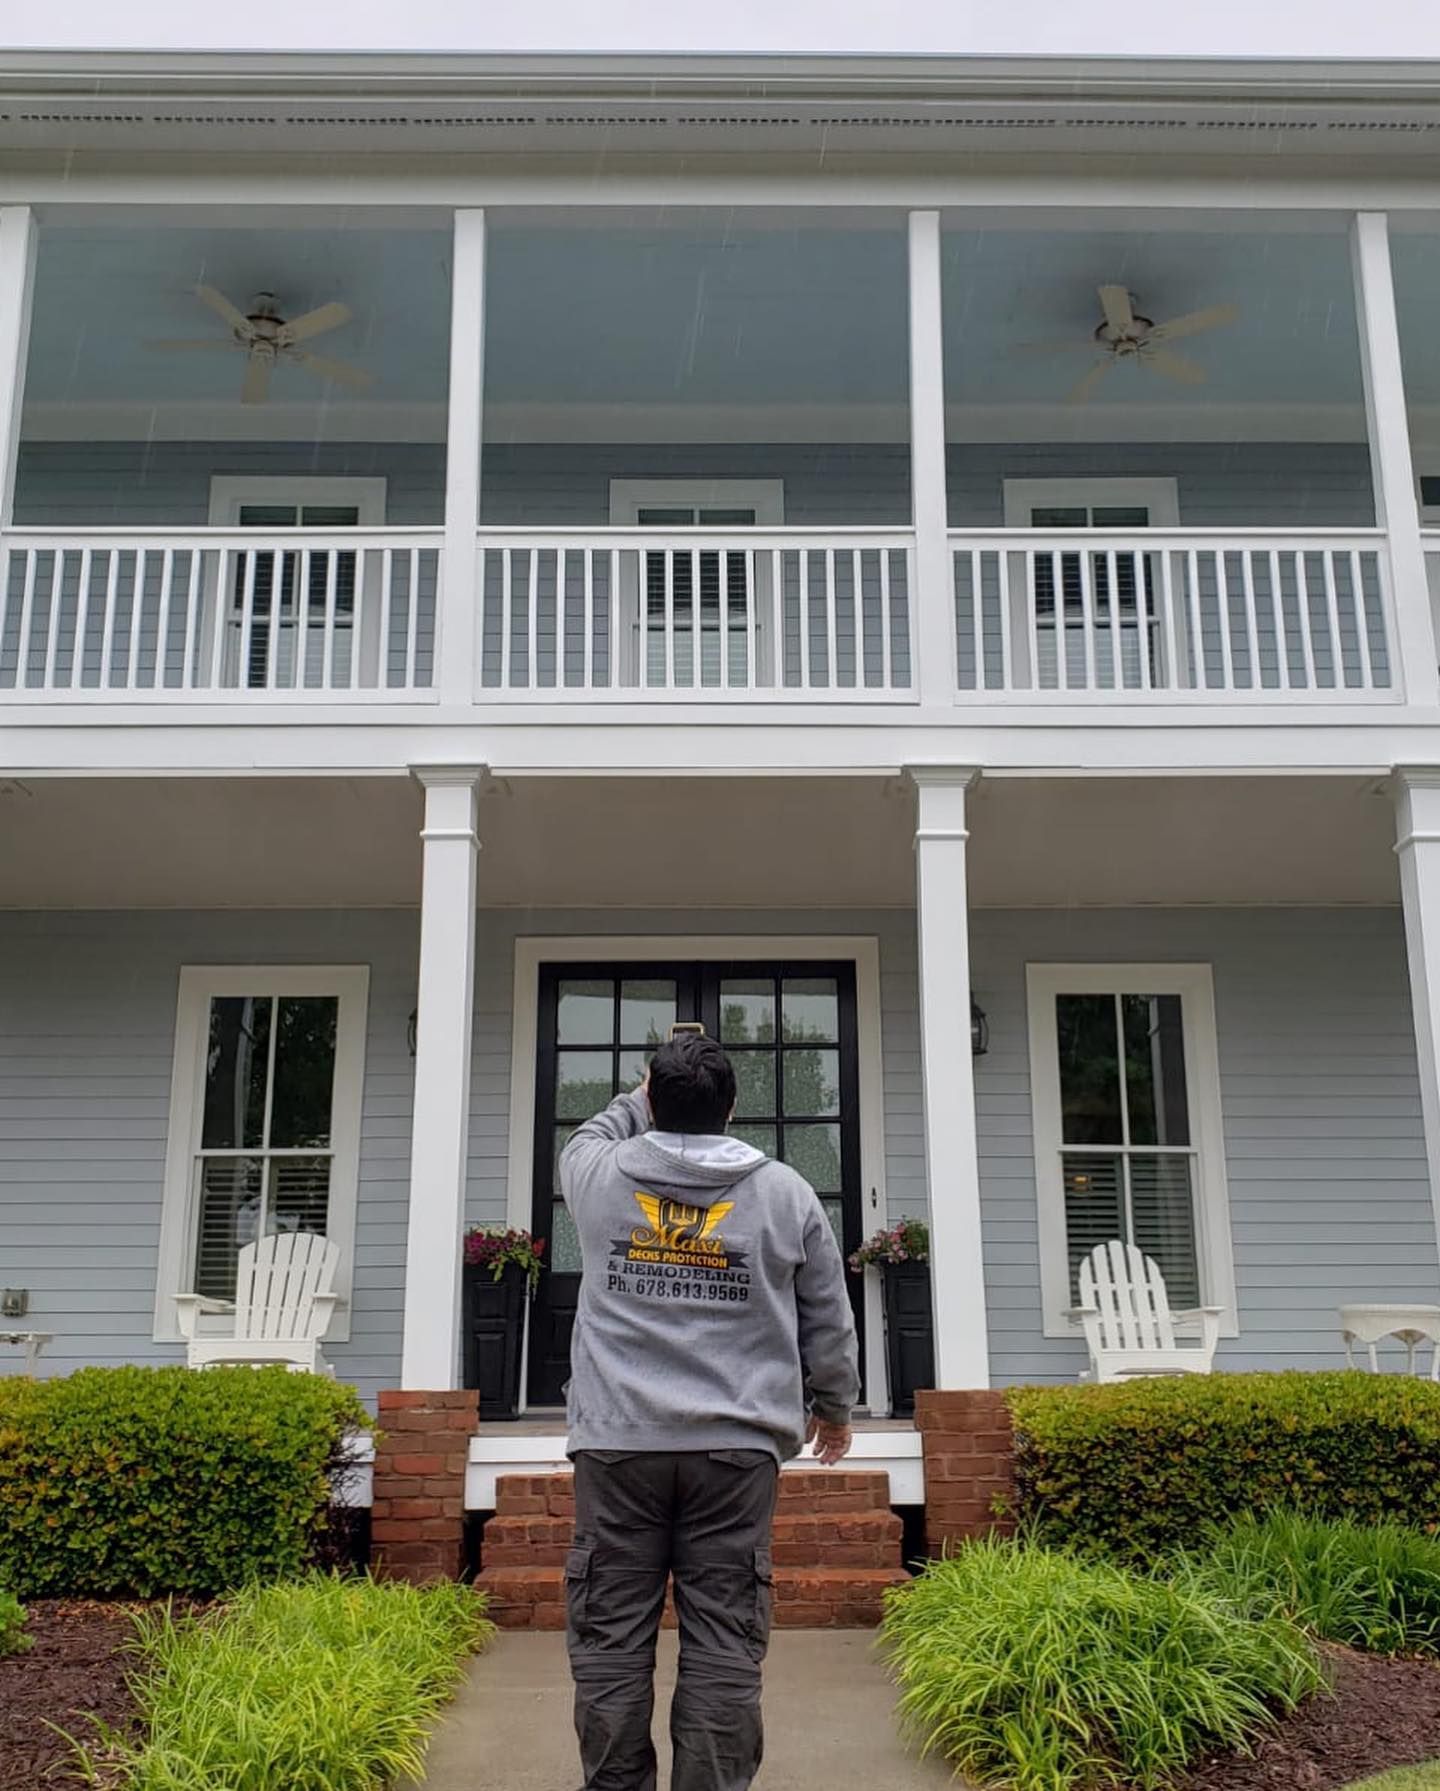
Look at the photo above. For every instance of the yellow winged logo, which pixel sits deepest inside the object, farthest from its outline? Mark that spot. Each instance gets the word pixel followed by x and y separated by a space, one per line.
pixel 672 1225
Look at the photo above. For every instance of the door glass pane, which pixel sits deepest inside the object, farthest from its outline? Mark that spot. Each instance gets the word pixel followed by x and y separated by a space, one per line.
pixel 814 1152
pixel 1163 1202
pixel 563 1135
pixel 304 1071
pixel 810 1010
pixel 1059 516
pixel 584 1083
pixel 762 1137
pixel 1155 1069
pixel 585 1013
pixel 237 1067
pixel 665 516
pixel 268 516
pixel 633 1065
pixel 835 1213
pixel 719 517
pixel 1094 1208
pixel 330 516
pixel 564 1241
pixel 754 1083
pixel 647 1012
pixel 1120 516
pixel 229 1218
pixel 1089 1069
pixel 812 1083
pixel 747 1011
pixel 299 1194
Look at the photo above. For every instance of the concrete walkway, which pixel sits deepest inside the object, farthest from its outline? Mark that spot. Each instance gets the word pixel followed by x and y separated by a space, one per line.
pixel 828 1719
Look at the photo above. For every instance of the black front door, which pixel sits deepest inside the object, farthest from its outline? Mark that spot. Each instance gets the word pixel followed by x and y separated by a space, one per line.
pixel 790 1029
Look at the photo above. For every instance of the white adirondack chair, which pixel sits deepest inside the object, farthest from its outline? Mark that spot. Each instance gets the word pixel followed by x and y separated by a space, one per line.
pixel 282 1307
pixel 1129 1326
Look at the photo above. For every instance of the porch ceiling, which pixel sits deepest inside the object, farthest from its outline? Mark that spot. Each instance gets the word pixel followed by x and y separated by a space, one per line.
pixel 693 843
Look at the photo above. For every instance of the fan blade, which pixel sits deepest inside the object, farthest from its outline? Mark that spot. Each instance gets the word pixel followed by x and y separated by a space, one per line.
pixel 340 371
pixel 256 388
pixel 218 303
pixel 1174 366
pixel 1193 322
pixel 1091 382
pixel 1119 314
pixel 213 346
pixel 314 323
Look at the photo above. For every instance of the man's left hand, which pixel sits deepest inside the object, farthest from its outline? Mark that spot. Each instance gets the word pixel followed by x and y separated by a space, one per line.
pixel 832 1441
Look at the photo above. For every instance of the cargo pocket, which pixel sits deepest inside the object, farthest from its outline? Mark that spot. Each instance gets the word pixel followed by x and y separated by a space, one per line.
pixel 577 1592
pixel 764 1596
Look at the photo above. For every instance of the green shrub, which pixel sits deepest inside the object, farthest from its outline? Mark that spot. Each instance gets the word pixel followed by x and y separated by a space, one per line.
pixel 322 1684
pixel 1142 1467
pixel 12 1624
pixel 1030 1667
pixel 145 1481
pixel 1375 1587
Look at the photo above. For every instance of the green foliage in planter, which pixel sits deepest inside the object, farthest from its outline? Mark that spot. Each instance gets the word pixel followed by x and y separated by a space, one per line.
pixel 1375 1587
pixel 12 1624
pixel 323 1684
pixel 1037 1669
pixel 1143 1467
pixel 122 1482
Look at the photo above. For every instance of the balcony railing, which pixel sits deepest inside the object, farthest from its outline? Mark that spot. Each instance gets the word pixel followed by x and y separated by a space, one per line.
pixel 1169 614
pixel 790 615
pixel 294 614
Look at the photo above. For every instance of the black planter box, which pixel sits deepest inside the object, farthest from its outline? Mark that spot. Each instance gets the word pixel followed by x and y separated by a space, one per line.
pixel 494 1324
pixel 909 1332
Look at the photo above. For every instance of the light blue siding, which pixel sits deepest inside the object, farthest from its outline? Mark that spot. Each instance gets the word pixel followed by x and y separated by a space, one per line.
pixel 1325 1150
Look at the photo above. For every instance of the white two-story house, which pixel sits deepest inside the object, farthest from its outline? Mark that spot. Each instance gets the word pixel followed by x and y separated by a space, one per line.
pixel 921 565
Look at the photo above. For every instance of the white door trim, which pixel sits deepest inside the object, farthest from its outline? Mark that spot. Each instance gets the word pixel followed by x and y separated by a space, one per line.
pixel 1160 496
pixel 863 950
pixel 766 497
pixel 228 491
pixel 1195 985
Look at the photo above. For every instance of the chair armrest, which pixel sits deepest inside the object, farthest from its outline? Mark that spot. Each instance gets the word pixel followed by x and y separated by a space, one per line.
pixel 188 1307
pixel 1081 1313
pixel 325 1305
pixel 1205 1320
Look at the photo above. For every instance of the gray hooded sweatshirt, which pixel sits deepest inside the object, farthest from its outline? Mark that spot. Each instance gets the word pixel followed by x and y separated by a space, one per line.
pixel 713 1311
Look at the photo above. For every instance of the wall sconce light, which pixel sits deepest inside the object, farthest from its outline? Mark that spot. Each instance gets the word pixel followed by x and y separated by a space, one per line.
pixel 979 1029
pixel 412 1029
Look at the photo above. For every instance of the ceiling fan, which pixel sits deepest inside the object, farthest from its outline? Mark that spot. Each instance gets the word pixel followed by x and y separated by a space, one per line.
pixel 1123 334
pixel 266 337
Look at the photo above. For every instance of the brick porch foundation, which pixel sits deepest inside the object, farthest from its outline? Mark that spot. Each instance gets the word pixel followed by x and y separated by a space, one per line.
pixel 417 1529
pixel 969 1451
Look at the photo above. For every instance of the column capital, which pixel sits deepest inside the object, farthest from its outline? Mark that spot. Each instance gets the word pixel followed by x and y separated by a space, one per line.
pixel 965 776
pixel 437 777
pixel 942 793
pixel 1416 777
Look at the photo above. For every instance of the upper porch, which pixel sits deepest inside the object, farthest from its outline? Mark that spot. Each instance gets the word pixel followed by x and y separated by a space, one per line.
pixel 862 463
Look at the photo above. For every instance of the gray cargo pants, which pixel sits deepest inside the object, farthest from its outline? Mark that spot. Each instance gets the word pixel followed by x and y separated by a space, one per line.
pixel 703 1519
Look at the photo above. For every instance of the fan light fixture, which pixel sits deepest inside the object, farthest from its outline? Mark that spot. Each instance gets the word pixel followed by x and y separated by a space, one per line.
pixel 979 1029
pixel 267 338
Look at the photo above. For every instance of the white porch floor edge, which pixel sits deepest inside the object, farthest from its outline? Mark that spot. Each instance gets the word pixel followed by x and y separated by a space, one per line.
pixel 889 1447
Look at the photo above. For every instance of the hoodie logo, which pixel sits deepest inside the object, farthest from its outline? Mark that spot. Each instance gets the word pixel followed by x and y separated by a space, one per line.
pixel 671 1225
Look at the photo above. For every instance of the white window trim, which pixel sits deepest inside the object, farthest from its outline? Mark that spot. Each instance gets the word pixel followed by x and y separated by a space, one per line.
pixel 1160 496
pixel 198 984
pixel 229 491
pixel 1194 984
pixel 863 950
pixel 766 497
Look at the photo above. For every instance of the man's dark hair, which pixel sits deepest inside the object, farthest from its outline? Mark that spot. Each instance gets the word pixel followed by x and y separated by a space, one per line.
pixel 692 1085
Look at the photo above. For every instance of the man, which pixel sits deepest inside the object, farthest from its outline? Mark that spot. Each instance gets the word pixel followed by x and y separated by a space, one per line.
pixel 713 1339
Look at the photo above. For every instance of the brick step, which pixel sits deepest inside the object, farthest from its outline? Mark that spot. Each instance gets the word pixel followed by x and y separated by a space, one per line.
pixel 816 1492
pixel 841 1538
pixel 805 1597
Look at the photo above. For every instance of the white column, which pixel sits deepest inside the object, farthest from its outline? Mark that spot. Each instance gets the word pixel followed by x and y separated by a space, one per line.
pixel 1417 845
pixel 17 280
pixel 1387 420
pixel 962 1353
pixel 430 1359
pixel 932 599
pixel 459 586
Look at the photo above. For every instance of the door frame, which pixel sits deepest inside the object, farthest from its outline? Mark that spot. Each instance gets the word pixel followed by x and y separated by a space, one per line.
pixel 766 497
pixel 229 492
pixel 1160 496
pixel 862 950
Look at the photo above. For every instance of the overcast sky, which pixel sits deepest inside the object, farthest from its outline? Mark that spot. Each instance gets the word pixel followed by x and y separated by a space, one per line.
pixel 1209 27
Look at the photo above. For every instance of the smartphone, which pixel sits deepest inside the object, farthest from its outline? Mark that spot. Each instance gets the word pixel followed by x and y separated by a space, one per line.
pixel 687 1026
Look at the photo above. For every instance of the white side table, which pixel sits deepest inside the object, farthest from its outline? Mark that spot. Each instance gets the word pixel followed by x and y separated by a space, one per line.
pixel 32 1342
pixel 1411 1325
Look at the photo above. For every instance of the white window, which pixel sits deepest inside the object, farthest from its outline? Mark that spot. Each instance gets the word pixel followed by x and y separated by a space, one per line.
pixel 1125 1089
pixel 264 1122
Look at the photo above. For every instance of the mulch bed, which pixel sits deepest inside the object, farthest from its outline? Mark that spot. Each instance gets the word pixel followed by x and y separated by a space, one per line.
pixel 1383 1713
pixel 74 1671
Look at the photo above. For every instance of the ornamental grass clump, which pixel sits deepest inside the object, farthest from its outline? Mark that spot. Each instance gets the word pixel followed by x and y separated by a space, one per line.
pixel 1031 1668
pixel 1374 1587
pixel 322 1684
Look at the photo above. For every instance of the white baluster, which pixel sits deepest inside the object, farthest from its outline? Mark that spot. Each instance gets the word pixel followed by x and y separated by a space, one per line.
pixel 1362 627
pixel 137 607
pixel 27 613
pixel 107 636
pixel 1252 617
pixel 332 581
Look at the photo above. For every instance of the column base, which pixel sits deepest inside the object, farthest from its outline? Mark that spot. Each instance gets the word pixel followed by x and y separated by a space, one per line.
pixel 969 1451
pixel 417 1527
